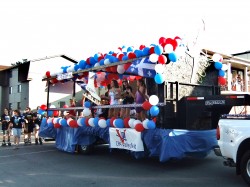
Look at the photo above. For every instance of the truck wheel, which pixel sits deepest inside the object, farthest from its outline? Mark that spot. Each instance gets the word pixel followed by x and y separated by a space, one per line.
pixel 245 167
pixel 85 149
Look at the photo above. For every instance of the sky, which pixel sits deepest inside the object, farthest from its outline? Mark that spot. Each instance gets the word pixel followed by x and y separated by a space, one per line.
pixel 32 29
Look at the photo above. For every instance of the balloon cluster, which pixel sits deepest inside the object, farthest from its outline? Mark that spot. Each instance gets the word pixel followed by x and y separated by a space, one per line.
pixel 217 58
pixel 51 113
pixel 165 52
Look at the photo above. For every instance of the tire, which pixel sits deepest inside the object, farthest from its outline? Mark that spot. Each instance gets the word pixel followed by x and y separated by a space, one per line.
pixel 245 167
pixel 85 149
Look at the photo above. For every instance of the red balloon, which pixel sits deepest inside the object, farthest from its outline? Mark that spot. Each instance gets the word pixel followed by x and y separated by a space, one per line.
pixel 154 119
pixel 131 55
pixel 222 81
pixel 120 56
pixel 65 106
pixel 57 125
pixel 73 124
pixel 55 113
pixel 142 47
pixel 162 59
pixel 139 127
pixel 126 122
pixel 151 50
pixel 112 121
pixel 87 122
pixel 162 40
pixel 47 73
pixel 43 107
pixel 54 80
pixel 146 105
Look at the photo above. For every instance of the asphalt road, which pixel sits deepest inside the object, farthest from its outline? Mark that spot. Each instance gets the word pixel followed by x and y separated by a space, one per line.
pixel 44 165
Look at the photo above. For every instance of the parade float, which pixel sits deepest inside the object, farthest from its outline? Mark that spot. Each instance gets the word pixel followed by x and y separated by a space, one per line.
pixel 183 109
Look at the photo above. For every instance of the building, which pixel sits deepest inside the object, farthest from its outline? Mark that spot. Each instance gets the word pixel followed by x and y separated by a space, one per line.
pixel 21 85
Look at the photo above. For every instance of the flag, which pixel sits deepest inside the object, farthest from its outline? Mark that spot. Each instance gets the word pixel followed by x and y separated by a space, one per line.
pixel 142 67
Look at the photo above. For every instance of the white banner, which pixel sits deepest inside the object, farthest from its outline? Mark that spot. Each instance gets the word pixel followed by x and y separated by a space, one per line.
pixel 123 138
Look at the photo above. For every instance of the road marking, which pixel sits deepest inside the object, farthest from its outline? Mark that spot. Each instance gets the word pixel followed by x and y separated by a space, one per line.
pixel 27 153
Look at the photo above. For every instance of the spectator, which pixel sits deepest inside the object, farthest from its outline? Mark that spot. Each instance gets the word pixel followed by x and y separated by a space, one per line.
pixel 5 119
pixel 17 123
pixel 37 124
pixel 29 126
pixel 128 98
pixel 140 97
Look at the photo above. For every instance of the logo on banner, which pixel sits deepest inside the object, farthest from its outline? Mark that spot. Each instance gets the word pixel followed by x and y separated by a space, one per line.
pixel 121 135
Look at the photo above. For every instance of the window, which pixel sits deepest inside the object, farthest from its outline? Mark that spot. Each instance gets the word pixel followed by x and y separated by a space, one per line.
pixel 10 90
pixel 10 106
pixel 19 88
pixel 19 105
pixel 10 74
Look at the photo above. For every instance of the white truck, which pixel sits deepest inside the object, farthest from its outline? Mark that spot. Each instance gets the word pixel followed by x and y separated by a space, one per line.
pixel 233 135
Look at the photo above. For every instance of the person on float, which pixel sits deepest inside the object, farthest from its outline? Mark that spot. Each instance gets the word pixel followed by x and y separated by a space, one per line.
pixel 114 96
pixel 128 98
pixel 140 97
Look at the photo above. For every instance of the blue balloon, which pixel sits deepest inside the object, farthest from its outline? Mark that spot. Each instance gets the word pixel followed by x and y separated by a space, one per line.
pixel 87 66
pixel 159 78
pixel 92 60
pixel 65 69
pixel 221 73
pixel 145 51
pixel 82 121
pixel 151 124
pixel 87 104
pixel 125 57
pixel 154 110
pixel 158 50
pixel 138 53
pixel 82 64
pixel 58 119
pixel 76 67
pixel 40 111
pixel 101 62
pixel 172 57
pixel 50 113
pixel 218 65
pixel 130 49
pixel 63 122
pixel 96 56
pixel 108 122
pixel 119 123
pixel 96 119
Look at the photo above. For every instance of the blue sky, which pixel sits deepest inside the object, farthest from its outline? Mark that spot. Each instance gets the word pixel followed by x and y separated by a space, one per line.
pixel 32 29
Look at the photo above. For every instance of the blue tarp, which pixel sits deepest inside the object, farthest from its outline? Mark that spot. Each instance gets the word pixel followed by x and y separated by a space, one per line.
pixel 163 143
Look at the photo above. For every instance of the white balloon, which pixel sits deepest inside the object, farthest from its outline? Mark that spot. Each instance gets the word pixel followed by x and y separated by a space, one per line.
pixel 49 120
pixel 97 64
pixel 216 57
pixel 120 69
pixel 79 122
pixel 86 112
pixel 130 122
pixel 102 123
pixel 91 122
pixel 69 120
pixel 153 100
pixel 153 58
pixel 159 68
pixel 106 61
pixel 168 48
pixel 145 123
pixel 114 123
pixel 224 67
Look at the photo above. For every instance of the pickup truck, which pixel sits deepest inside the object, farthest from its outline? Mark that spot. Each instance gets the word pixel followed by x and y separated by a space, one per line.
pixel 233 135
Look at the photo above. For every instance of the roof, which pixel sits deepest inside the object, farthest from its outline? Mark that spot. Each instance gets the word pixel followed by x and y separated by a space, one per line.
pixel 39 59
pixel 2 67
